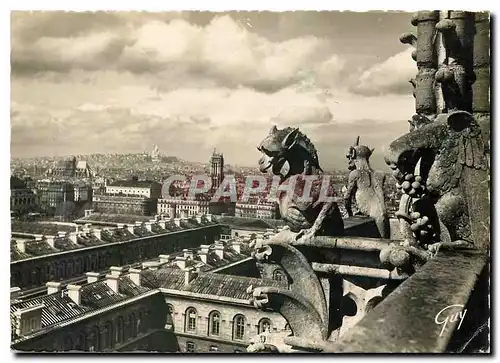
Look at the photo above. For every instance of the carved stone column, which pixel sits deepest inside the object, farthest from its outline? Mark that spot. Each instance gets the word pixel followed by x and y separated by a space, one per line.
pixel 481 64
pixel 425 102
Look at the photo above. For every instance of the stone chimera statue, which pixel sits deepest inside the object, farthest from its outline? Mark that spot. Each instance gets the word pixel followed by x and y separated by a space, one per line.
pixel 366 186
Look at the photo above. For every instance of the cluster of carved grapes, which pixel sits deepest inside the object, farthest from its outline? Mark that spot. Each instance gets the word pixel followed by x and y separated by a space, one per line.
pixel 424 231
pixel 411 185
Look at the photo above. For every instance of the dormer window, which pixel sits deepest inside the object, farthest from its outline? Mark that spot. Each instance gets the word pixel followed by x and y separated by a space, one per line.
pixel 28 320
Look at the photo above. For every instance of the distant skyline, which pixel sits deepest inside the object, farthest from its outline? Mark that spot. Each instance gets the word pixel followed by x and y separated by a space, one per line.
pixel 121 82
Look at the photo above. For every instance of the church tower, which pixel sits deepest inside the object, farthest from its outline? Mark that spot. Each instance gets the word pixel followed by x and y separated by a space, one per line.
pixel 217 169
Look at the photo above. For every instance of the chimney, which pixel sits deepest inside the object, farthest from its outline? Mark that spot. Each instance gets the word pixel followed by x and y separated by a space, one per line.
pixel 203 256
pixel 138 223
pixel 38 238
pixel 116 270
pixel 189 275
pixel 130 228
pixel 188 254
pixel 53 287
pixel 204 248
pixel 181 262
pixel 134 275
pixel 236 245
pixel 148 226
pixel 92 277
pixel 21 245
pixel 85 231
pixel 97 233
pixel 177 222
pixel 120 225
pixel 164 258
pixel 198 219
pixel 74 293
pixel 209 217
pixel 113 282
pixel 61 234
pixel 162 224
pixel 219 250
pixel 73 237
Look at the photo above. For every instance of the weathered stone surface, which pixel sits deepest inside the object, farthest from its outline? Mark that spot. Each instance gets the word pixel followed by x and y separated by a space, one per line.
pixel 289 152
pixel 404 321
pixel 365 185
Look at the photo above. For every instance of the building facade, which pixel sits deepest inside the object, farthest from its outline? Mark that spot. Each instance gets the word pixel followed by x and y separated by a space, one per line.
pixel 118 204
pixel 260 209
pixel 143 188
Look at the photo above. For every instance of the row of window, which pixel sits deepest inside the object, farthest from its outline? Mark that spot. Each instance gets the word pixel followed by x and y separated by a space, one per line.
pixel 214 323
pixel 112 334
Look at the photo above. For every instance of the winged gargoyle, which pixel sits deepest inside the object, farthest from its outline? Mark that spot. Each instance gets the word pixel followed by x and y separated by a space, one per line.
pixel 366 186
pixel 453 173
pixel 289 152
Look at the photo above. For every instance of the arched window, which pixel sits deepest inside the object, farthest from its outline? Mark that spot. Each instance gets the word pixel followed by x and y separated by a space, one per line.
pixel 214 323
pixel 81 342
pixel 108 335
pixel 119 330
pixel 93 340
pixel 132 325
pixel 140 322
pixel 68 343
pixel 264 325
pixel 191 319
pixel 278 275
pixel 238 327
pixel 169 323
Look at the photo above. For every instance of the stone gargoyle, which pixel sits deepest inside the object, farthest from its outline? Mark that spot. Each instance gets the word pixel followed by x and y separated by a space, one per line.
pixel 366 186
pixel 289 153
pixel 442 164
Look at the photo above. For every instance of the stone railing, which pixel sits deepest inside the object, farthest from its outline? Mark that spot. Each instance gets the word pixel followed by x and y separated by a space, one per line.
pixel 341 297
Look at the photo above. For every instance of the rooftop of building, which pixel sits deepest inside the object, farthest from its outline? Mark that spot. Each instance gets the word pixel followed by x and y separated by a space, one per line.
pixel 213 284
pixel 213 261
pixel 44 239
pixel 112 218
pixel 58 307
pixel 134 183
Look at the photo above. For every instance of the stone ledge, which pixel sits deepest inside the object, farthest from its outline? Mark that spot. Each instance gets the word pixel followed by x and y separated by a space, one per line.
pixel 404 322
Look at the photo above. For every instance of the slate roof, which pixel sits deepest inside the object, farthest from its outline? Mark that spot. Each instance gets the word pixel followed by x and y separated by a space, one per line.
pixel 58 307
pixel 206 283
pixel 113 218
pixel 39 228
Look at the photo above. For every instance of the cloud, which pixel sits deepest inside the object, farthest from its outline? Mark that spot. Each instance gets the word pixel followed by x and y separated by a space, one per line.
pixel 223 51
pixel 389 77
pixel 122 82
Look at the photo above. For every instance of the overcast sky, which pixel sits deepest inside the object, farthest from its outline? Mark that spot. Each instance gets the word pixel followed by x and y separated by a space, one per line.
pixel 192 81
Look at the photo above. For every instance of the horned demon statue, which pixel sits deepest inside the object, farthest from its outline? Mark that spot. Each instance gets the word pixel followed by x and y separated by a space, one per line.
pixel 288 152
pixel 366 186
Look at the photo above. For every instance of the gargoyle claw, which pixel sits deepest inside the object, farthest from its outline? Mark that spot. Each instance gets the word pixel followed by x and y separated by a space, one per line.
pixel 306 235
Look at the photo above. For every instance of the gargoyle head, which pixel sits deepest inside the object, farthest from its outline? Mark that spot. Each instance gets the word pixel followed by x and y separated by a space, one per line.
pixel 286 146
pixel 357 152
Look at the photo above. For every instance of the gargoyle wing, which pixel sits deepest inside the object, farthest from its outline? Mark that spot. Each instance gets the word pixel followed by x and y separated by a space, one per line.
pixel 464 147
